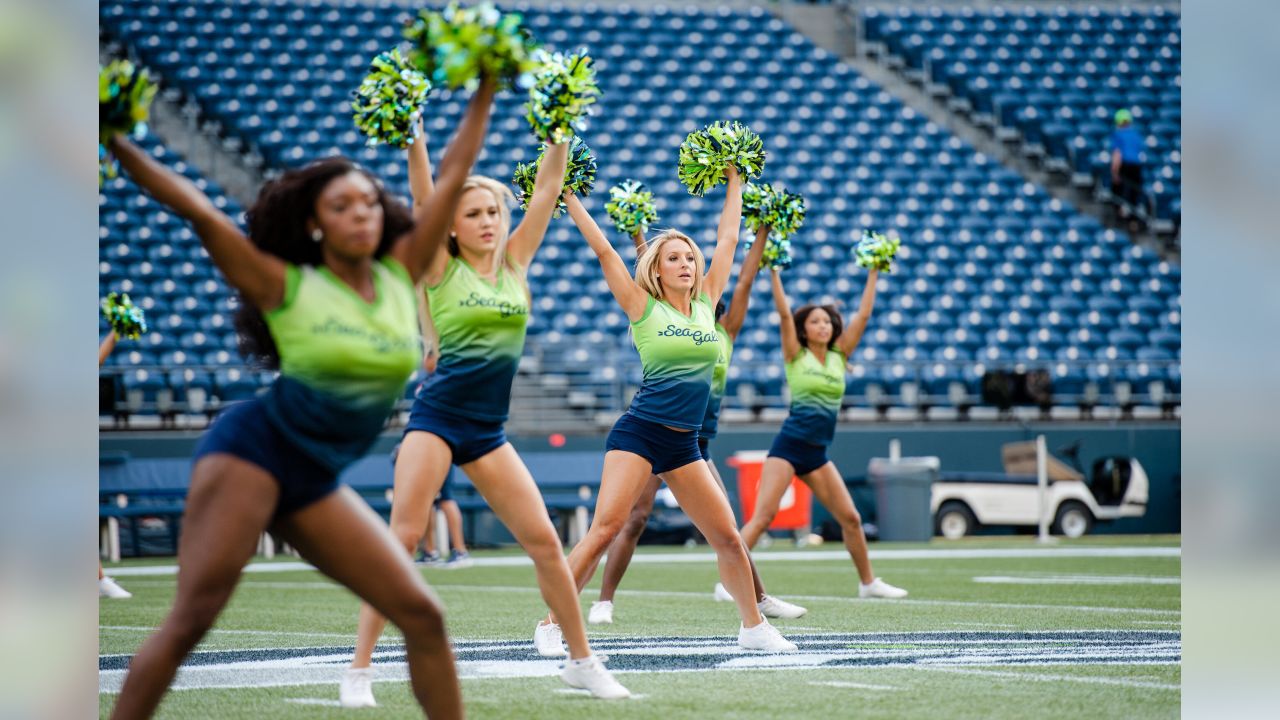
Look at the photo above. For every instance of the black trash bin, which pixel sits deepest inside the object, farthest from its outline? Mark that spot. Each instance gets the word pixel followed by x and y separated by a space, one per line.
pixel 903 493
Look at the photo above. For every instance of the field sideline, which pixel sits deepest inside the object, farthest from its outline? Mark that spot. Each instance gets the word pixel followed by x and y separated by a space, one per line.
pixel 996 627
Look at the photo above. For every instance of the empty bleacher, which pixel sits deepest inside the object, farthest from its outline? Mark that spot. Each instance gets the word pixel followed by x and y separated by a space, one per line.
pixel 995 273
pixel 1056 77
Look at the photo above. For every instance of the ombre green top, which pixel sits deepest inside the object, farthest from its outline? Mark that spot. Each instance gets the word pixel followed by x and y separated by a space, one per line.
pixel 481 330
pixel 817 390
pixel 343 361
pixel 678 354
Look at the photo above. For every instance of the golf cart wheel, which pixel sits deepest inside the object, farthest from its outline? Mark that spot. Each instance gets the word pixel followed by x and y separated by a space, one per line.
pixel 1072 520
pixel 955 520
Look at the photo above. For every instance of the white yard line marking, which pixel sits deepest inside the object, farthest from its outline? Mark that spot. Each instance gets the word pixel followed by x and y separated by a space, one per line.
pixel 1037 677
pixel 1076 580
pixel 313 701
pixel 852 685
pixel 841 598
pixel 807 598
pixel 787 555
pixel 219 631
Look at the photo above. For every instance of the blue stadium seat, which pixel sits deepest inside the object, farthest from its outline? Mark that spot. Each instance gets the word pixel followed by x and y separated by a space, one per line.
pixel 984 251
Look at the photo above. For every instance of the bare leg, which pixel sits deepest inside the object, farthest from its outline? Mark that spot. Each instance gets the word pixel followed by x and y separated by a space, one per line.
pixel 428 536
pixel 624 546
pixel 421 468
pixel 453 517
pixel 347 541
pixel 830 490
pixel 755 574
pixel 505 482
pixel 621 482
pixel 709 510
pixel 775 476
pixel 229 505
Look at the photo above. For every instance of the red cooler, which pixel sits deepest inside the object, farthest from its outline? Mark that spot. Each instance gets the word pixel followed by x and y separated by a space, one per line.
pixel 796 507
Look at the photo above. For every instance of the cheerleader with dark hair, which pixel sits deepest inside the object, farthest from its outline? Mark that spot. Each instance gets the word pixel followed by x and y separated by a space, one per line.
pixel 327 274
pixel 816 347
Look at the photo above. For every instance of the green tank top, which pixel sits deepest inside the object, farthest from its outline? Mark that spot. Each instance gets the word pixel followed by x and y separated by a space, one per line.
pixel 817 390
pixel 678 355
pixel 481 329
pixel 719 378
pixel 343 361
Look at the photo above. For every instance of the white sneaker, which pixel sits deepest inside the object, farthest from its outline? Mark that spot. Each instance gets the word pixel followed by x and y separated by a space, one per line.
pixel 356 688
pixel 764 637
pixel 108 588
pixel 601 613
pixel 721 594
pixel 589 673
pixel 772 607
pixel 549 641
pixel 880 589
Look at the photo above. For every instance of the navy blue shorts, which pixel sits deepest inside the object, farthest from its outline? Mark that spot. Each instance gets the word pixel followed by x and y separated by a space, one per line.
pixel 446 490
pixel 244 431
pixel 704 447
pixel 664 448
pixel 467 439
pixel 804 457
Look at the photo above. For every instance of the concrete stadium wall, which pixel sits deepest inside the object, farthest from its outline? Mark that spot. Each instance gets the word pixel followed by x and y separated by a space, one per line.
pixel 961 447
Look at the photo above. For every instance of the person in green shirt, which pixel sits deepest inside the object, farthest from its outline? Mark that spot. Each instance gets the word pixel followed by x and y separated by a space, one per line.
pixel 728 325
pixel 478 299
pixel 815 350
pixel 670 302
pixel 326 273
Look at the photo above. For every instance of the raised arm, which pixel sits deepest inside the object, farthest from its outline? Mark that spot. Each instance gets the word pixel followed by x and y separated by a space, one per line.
pixel 737 312
pixel 106 346
pixel 420 183
pixel 430 353
pixel 726 237
pixel 786 324
pixel 256 274
pixel 432 220
pixel 528 235
pixel 629 295
pixel 852 334
pixel 637 238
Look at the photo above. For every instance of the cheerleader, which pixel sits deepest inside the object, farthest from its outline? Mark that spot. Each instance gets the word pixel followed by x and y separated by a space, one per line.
pixel 727 326
pixel 670 302
pixel 478 297
pixel 327 274
pixel 815 349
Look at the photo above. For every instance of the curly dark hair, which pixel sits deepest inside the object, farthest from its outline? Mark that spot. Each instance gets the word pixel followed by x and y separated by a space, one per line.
pixel 277 224
pixel 837 323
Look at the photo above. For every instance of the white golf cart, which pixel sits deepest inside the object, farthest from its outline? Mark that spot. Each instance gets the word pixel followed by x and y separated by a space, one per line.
pixel 963 502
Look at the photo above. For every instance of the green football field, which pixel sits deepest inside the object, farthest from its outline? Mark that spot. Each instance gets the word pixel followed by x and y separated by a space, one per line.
pixel 993 628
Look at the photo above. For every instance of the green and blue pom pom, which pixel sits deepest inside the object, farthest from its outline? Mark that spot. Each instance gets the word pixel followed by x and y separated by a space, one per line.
pixel 388 102
pixel 579 175
pixel 125 318
pixel 706 153
pixel 631 207
pixel 876 251
pixel 457 46
pixel 125 93
pixel 564 89
pixel 766 206
pixel 777 252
